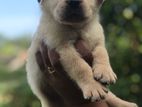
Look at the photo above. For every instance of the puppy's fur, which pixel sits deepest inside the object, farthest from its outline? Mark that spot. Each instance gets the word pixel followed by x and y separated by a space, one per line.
pixel 61 24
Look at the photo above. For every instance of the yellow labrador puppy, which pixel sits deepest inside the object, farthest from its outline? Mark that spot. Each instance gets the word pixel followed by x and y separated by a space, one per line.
pixel 62 23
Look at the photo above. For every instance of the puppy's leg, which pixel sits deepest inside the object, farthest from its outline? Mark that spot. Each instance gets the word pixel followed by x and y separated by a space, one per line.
pixel 101 66
pixel 34 79
pixel 80 72
pixel 114 101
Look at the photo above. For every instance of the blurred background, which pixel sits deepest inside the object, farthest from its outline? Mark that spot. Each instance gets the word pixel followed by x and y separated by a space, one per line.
pixel 122 22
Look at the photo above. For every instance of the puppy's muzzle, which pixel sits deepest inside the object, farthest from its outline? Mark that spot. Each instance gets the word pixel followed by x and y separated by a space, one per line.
pixel 74 11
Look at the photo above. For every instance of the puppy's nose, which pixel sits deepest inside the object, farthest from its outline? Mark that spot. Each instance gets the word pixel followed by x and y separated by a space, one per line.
pixel 73 3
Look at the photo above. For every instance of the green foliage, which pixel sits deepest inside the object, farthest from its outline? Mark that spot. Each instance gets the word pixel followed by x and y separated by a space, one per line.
pixel 122 24
pixel 14 90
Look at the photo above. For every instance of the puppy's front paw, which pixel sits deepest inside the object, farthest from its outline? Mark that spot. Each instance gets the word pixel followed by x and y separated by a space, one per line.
pixel 104 74
pixel 94 91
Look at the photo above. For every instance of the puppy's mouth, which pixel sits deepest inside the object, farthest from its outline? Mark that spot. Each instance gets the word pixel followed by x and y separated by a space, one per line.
pixel 73 12
pixel 75 16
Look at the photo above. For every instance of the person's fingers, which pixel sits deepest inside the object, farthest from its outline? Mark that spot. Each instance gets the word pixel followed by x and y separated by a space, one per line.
pixel 39 60
pixel 84 51
pixel 44 51
pixel 54 57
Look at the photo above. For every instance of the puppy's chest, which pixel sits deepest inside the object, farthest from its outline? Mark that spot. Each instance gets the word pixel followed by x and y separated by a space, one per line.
pixel 71 38
pixel 88 41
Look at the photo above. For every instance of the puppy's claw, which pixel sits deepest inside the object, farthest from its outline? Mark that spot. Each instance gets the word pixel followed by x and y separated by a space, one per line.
pixel 104 74
pixel 105 90
pixel 94 91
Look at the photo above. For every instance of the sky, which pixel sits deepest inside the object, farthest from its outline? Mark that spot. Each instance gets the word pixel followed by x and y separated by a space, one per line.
pixel 18 17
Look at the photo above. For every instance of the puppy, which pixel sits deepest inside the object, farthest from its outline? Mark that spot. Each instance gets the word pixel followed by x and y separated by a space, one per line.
pixel 62 23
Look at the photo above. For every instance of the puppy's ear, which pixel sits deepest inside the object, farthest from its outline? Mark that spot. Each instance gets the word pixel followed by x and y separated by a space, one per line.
pixel 40 1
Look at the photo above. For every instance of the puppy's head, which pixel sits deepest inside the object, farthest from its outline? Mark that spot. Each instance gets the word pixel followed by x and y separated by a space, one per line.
pixel 71 11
